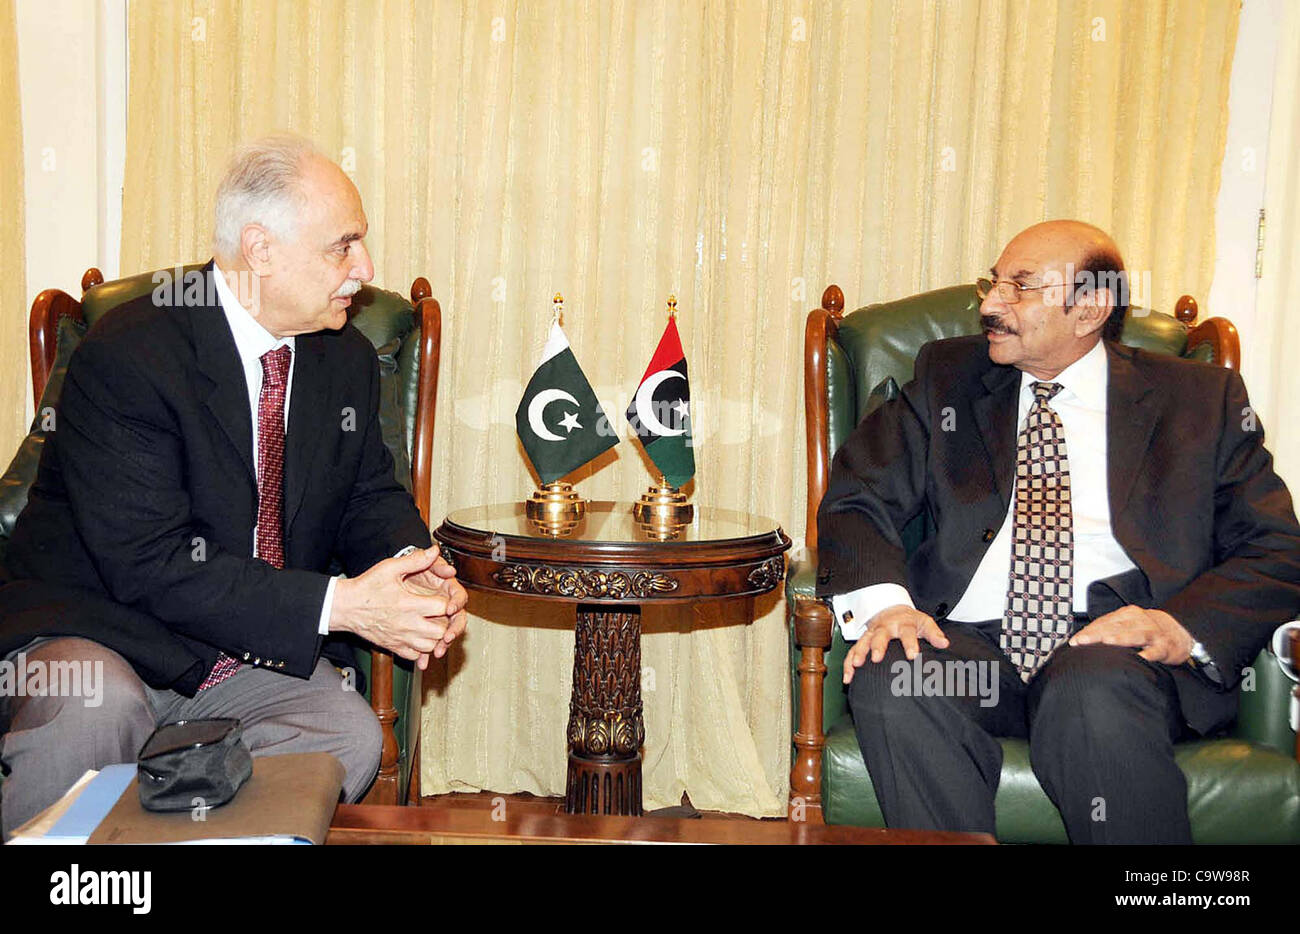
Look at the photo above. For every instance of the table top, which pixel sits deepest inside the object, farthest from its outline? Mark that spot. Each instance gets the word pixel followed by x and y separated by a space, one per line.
pixel 361 824
pixel 608 557
pixel 613 523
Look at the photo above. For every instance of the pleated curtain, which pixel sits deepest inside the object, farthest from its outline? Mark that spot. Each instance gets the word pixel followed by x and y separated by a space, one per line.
pixel 14 369
pixel 740 155
pixel 1274 380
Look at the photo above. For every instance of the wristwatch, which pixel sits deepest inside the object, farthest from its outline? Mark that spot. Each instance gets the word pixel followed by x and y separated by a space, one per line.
pixel 1200 660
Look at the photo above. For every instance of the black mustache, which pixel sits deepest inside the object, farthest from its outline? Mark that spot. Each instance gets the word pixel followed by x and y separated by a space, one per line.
pixel 992 323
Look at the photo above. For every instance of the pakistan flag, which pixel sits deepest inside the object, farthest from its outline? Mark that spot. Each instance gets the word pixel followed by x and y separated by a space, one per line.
pixel 660 413
pixel 559 420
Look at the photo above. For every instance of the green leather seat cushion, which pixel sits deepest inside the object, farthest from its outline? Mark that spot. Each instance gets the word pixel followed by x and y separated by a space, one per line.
pixel 1237 792
pixel 1242 788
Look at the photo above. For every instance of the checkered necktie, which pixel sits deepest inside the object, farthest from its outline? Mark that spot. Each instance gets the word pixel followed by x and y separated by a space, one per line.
pixel 1040 593
pixel 270 480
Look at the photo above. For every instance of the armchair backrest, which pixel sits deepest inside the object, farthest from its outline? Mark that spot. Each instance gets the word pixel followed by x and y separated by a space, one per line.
pixel 406 335
pixel 854 362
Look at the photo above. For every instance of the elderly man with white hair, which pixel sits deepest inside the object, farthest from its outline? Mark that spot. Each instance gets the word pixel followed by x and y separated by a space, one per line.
pixel 216 415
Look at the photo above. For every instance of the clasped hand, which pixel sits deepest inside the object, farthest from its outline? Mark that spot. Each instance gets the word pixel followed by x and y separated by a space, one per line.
pixel 413 606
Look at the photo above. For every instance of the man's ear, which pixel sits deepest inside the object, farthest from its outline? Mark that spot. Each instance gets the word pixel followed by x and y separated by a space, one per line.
pixel 255 246
pixel 1091 309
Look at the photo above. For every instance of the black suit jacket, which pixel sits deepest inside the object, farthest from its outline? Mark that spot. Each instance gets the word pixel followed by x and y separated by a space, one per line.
pixel 138 532
pixel 1194 501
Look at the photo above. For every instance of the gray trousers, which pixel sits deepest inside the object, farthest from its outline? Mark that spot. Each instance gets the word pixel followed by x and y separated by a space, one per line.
pixel 53 740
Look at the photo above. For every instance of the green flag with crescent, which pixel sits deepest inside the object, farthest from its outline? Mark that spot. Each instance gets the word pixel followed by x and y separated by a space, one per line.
pixel 560 423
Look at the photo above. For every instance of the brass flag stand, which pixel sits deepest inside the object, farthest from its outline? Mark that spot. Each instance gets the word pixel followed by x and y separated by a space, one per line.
pixel 556 508
pixel 663 505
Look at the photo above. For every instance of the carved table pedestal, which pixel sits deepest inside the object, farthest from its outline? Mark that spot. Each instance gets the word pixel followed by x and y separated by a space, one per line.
pixel 608 565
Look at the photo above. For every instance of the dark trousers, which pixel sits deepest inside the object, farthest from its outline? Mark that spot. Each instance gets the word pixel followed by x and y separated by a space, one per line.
pixel 1101 724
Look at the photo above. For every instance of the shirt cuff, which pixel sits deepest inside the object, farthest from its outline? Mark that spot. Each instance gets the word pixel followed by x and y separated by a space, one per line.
pixel 323 627
pixel 864 603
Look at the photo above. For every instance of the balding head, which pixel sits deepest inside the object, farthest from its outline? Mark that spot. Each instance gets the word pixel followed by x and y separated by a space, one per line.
pixel 1072 291
pixel 1064 238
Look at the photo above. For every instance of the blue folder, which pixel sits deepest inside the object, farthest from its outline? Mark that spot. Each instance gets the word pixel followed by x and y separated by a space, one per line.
pixel 93 804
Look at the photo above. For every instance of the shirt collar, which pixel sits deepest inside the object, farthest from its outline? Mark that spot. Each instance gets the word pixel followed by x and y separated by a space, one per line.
pixel 1085 378
pixel 251 339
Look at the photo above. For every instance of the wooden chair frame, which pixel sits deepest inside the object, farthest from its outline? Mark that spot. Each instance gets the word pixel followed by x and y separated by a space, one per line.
pixel 812 622
pixel 42 333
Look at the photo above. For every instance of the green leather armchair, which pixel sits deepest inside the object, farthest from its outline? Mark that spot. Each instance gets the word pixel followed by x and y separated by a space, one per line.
pixel 1243 787
pixel 407 338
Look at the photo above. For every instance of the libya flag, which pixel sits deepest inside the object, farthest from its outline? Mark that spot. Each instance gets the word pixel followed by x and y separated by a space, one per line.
pixel 559 420
pixel 660 411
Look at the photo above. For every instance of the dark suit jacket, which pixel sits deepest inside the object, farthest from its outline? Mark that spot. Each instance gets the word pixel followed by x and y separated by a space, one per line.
pixel 1193 498
pixel 138 532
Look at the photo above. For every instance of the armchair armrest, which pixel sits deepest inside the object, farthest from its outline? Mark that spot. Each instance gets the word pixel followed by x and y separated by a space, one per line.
pixel 801 575
pixel 811 626
pixel 1269 704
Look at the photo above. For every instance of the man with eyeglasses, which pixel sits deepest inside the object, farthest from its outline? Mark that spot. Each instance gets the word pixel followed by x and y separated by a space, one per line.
pixel 1109 541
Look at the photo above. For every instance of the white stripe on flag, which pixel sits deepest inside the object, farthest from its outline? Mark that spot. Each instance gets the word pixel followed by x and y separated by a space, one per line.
pixel 556 343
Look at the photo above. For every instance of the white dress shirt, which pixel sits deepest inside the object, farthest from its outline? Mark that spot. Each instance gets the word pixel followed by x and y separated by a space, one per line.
pixel 1081 405
pixel 252 341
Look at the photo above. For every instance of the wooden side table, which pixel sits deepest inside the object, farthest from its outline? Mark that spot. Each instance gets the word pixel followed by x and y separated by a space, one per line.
pixel 608 566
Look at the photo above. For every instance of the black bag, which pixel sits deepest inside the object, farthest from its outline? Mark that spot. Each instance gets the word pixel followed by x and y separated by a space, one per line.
pixel 189 759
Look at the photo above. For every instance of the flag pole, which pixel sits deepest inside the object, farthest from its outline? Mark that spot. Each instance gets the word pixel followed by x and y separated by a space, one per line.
pixel 556 508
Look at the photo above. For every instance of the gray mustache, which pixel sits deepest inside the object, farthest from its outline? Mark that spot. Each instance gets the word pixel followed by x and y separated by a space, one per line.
pixel 348 289
pixel 992 323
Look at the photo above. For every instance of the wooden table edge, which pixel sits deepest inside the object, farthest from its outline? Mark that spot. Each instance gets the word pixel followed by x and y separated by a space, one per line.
pixel 393 824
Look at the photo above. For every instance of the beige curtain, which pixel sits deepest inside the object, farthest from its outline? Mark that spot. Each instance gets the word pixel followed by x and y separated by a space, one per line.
pixel 14 368
pixel 742 155
pixel 1275 379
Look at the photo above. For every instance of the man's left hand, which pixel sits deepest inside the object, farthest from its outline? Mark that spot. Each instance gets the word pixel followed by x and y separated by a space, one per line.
pixel 440 577
pixel 1161 637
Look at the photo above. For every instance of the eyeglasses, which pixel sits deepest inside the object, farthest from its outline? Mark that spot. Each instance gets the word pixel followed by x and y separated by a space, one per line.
pixel 1008 291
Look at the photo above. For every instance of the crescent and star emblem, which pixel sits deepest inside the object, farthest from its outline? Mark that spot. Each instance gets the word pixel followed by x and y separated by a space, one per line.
pixel 645 406
pixel 539 403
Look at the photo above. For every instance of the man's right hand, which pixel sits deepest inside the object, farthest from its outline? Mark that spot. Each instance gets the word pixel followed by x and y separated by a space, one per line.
pixel 377 607
pixel 900 622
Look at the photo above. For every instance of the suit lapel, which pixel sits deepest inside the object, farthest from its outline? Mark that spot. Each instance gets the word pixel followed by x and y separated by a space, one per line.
pixel 218 361
pixel 308 419
pixel 995 414
pixel 1131 413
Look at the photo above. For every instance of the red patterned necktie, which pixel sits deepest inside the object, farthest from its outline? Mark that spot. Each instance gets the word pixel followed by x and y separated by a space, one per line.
pixel 1040 593
pixel 270 480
